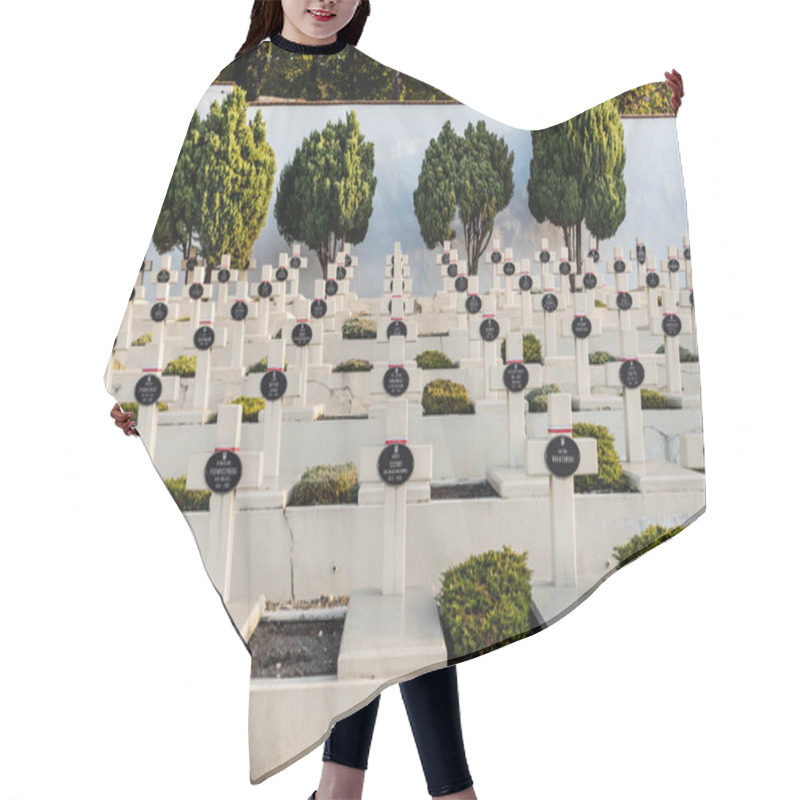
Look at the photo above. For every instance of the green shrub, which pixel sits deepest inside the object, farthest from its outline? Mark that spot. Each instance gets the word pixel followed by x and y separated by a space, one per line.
pixel 279 334
pixel 183 319
pixel 433 333
pixel 443 396
pixel 537 397
pixel 353 365
pixel 609 476
pixel 653 399
pixel 187 499
pixel 261 366
pixel 531 349
pixel 686 356
pixel 486 601
pixel 183 366
pixel 650 537
pixel 250 407
pixel 359 327
pixel 434 359
pixel 326 484
pixel 144 339
pixel 135 408
pixel 601 357
pixel 599 303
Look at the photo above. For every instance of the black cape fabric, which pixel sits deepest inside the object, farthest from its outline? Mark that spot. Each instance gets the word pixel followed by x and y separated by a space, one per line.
pixel 419 381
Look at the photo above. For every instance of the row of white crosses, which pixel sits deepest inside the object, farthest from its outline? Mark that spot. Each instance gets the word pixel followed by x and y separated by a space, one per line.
pixel 397 303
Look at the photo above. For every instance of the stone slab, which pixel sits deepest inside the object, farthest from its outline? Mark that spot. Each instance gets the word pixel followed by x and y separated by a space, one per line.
pixel 660 476
pixel 515 482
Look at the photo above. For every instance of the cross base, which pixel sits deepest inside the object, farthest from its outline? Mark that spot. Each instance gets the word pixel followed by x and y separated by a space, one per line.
pixel 650 477
pixel 513 482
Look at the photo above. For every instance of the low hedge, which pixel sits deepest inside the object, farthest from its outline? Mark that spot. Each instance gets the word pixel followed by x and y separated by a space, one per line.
pixel 359 327
pixel 353 365
pixel 261 366
pixel 653 399
pixel 609 476
pixel 443 396
pixel 144 339
pixel 531 349
pixel 187 499
pixel 601 357
pixel 486 601
pixel 326 484
pixel 685 356
pixel 434 359
pixel 183 366
pixel 537 397
pixel 650 537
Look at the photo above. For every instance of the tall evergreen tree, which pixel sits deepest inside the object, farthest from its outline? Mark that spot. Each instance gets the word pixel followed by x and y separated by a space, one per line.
pixel 325 193
pixel 471 176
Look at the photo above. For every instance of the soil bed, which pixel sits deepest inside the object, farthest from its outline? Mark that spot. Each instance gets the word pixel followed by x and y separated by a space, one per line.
pixel 466 491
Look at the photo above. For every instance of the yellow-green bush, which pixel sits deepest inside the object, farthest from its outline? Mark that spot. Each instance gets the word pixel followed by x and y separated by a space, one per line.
pixel 144 339
pixel 531 349
pixel 653 399
pixel 187 499
pixel 326 484
pixel 537 397
pixel 434 359
pixel 444 396
pixel 609 476
pixel 359 327
pixel 650 537
pixel 183 366
pixel 353 365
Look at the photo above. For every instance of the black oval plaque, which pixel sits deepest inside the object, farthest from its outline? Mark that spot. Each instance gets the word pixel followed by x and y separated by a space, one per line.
pixel 203 337
pixel 489 329
pixel 147 390
pixel 525 283
pixel 331 288
pixel 452 270
pixel 544 256
pixel 348 262
pixel 641 253
pixel 295 262
pixel 224 275
pixel 163 276
pixel 396 328
pixel 341 273
pixel 461 284
pixel 549 302
pixel 395 464
pixel 302 334
pixel 239 310
pixel 631 374
pixel 319 308
pixel 281 274
pixel 581 327
pixel 691 297
pixel 624 301
pixel 223 471
pixel 687 253
pixel 474 304
pixel 594 255
pixel 445 258
pixel 562 456
pixel 589 280
pixel 515 377
pixel 396 381
pixel 652 280
pixel 264 289
pixel 158 312
pixel 564 267
pixel 196 291
pixel 509 268
pixel 619 265
pixel 496 257
pixel 273 385
pixel 671 324
pixel 673 265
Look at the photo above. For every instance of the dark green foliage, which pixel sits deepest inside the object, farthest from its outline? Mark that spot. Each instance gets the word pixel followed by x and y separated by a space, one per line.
pixel 250 407
pixel 434 359
pixel 653 399
pixel 183 366
pixel 359 327
pixel 650 537
pixel 443 396
pixel 326 484
pixel 537 397
pixel 685 356
pixel 531 349
pixel 609 477
pixel 601 357
pixel 486 600
pixel 187 499
pixel 353 365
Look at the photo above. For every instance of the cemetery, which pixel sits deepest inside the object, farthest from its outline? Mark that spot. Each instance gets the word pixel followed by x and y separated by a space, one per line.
pixel 359 448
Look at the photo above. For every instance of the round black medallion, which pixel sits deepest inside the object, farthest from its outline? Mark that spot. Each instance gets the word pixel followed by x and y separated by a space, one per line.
pixel 641 253
pixel 549 302
pixel 348 262
pixel 341 273
pixel 581 327
pixel 223 471
pixel 544 256
pixel 489 329
pixel 281 274
pixel 196 291
pixel 691 297
pixel 203 337
pixel 525 283
pixel 239 310
pixel 461 284
pixel 331 288
pixel 509 268
pixel 673 265
pixel 515 377
pixel 319 308
pixel 474 304
pixel 652 280
pixel 445 258
pixel 562 456
pixel 191 264
pixel 273 385
pixel 396 381
pixel 671 324
pixel 589 280
pixel 302 334
pixel 295 262
pixel 147 390
pixel 395 464
pixel 396 328
pixel 163 276
pixel 158 312
pixel 624 301
pixel 496 257
pixel 687 253
pixel 452 270
pixel 594 255
pixel 224 275
pixel 631 374
pixel 564 267
pixel 619 265
pixel 264 289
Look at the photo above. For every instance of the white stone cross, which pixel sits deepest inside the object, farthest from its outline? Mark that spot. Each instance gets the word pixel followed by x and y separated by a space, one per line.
pixel 561 457
pixel 162 311
pixel 672 266
pixel 631 374
pixel 651 285
pixel 333 290
pixel 205 338
pixel 670 326
pixel 302 333
pixel 625 300
pixel 224 472
pixel 395 464
pixel 581 327
pixel 447 269
pixel 591 280
pixel 274 386
pixel 294 264
pixel 237 311
pixel 394 308
pixel 527 283
pixel 190 267
pixel 565 268
pixel 396 377
pixel 319 310
pixel 221 276
pixel 495 258
pixel 268 291
pixel 639 255
pixel 548 303
pixel 346 264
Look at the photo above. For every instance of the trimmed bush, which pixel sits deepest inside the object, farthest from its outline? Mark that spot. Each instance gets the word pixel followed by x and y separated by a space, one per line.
pixel 135 408
pixel 686 356
pixel 250 407
pixel 653 399
pixel 609 477
pixel 353 365
pixel 182 366
pixel 486 600
pixel 537 398
pixel 443 396
pixel 187 499
pixel 144 339
pixel 599 303
pixel 326 484
pixel 261 366
pixel 650 537
pixel 359 327
pixel 531 349
pixel 601 357
pixel 434 359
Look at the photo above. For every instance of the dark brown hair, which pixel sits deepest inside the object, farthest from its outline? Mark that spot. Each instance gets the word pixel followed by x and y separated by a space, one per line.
pixel 266 18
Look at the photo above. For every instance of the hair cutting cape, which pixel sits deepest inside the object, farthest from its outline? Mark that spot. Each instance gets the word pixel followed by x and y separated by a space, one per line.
pixel 419 381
